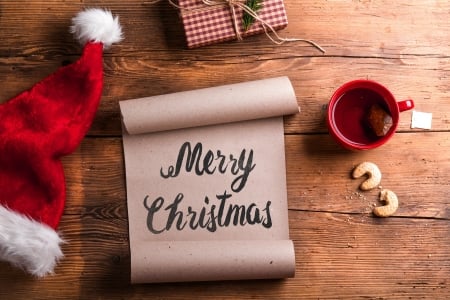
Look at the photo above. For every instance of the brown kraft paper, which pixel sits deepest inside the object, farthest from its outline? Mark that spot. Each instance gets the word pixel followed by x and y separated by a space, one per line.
pixel 206 183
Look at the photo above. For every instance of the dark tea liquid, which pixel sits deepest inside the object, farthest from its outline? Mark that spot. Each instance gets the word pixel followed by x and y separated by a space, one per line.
pixel 351 112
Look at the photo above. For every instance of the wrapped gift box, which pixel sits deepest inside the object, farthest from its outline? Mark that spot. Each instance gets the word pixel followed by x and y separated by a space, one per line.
pixel 208 24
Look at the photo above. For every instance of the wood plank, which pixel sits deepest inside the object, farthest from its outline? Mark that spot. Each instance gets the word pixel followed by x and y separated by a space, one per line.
pixel 337 255
pixel 148 64
pixel 314 81
pixel 415 166
pixel 352 28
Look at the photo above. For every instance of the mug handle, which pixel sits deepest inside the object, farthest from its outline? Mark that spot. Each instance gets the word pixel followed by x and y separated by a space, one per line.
pixel 405 105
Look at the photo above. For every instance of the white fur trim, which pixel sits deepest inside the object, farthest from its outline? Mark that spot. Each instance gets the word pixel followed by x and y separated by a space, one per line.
pixel 97 25
pixel 28 244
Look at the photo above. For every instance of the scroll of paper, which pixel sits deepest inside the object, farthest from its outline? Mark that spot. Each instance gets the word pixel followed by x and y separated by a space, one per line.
pixel 206 183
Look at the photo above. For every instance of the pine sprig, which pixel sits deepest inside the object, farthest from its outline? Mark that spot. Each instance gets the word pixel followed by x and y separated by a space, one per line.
pixel 255 6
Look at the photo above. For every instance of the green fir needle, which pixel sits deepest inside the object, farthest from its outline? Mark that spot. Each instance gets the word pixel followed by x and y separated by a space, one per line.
pixel 255 6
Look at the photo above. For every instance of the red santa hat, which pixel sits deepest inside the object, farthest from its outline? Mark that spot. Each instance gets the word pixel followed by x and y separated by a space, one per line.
pixel 37 128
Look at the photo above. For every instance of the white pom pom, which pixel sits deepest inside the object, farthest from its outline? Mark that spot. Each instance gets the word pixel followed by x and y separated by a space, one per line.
pixel 97 25
pixel 28 244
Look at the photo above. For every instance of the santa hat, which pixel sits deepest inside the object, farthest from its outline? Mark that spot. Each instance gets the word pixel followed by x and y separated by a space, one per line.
pixel 37 128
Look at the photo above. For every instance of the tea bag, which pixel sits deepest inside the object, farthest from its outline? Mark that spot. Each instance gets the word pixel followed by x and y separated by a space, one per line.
pixel 379 120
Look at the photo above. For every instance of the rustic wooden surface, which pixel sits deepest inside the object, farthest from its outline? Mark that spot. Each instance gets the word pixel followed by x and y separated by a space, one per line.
pixel 342 250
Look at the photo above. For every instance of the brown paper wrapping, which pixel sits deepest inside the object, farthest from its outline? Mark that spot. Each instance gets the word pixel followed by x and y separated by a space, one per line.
pixel 244 235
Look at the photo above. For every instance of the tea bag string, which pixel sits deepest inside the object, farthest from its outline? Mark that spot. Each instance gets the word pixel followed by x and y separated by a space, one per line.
pixel 233 4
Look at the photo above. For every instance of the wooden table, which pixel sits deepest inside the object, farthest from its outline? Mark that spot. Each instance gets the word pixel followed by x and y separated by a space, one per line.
pixel 342 250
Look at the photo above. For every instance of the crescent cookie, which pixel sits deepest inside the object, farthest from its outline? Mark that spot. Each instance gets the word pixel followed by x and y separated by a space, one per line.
pixel 373 173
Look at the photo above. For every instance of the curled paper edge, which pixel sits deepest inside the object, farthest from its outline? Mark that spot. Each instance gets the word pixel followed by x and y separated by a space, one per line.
pixel 210 106
pixel 178 261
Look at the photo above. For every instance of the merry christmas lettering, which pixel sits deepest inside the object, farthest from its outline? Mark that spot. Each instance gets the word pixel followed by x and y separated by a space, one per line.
pixel 212 215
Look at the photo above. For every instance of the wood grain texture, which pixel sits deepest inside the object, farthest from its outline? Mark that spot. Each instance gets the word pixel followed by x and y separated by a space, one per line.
pixel 342 250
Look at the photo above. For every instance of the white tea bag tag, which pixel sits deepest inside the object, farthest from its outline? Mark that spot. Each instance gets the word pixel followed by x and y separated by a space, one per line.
pixel 421 120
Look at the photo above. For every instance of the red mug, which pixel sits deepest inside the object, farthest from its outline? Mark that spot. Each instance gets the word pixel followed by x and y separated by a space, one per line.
pixel 348 110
